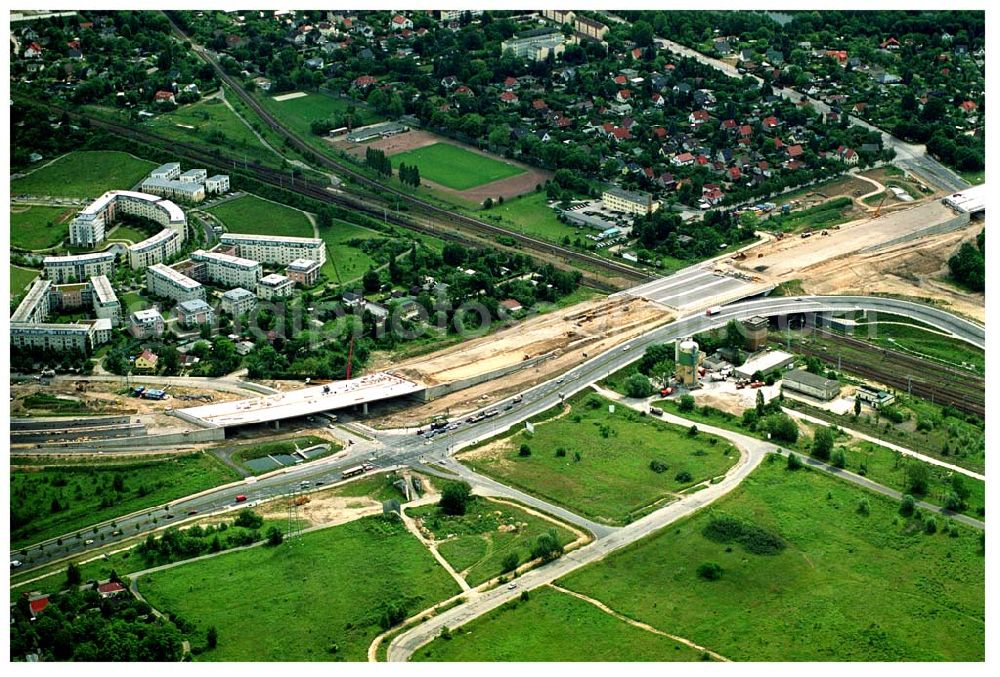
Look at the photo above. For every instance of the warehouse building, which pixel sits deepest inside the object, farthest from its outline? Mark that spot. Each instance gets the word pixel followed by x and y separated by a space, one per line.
pixel 765 363
pixel 167 283
pixel 813 385
pixel 64 269
pixel 275 286
pixel 156 249
pixel 238 302
pixel 276 249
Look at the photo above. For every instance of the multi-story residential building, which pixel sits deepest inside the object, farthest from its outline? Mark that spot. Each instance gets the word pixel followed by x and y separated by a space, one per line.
pixel 449 15
pixel 79 267
pixel 276 249
pixel 34 307
pixel 166 282
pixel 303 271
pixel 217 184
pixel 536 45
pixel 156 249
pixel 193 176
pixel 180 190
pixel 630 202
pixel 146 323
pixel 274 286
pixel 170 170
pixel 229 271
pixel 104 300
pixel 238 302
pixel 194 312
pixel 80 336
pixel 89 227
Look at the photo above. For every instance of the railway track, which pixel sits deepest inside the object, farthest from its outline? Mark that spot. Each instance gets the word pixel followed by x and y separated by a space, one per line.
pixel 619 269
pixel 935 383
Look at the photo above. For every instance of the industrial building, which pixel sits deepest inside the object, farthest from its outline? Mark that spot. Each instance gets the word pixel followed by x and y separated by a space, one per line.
pixel 194 312
pixel 229 271
pixel 146 323
pixel 756 332
pixel 274 286
pixel 275 249
pixel 813 385
pixel 765 363
pixel 167 283
pixel 687 360
pixel 873 396
pixel 303 271
pixel 79 267
pixel 238 302
pixel 381 130
pixel 969 201
pixel 156 249
pixel 630 202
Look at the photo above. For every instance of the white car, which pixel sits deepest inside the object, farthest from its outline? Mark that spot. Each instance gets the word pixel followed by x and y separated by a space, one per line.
pixel 512 586
pixel 14 564
pixel 626 347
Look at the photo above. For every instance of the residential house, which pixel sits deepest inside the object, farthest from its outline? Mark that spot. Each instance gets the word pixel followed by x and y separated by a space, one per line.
pixel 146 361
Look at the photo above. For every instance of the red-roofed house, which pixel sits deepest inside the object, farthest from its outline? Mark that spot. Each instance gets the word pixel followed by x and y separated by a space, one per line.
pixel 659 132
pixel 891 43
pixel 792 165
pixel 859 107
pixel 728 124
pixel 623 95
pixel 847 155
pixel 698 117
pixel 968 106
pixel 33 51
pixel 838 54
pixel 38 605
pixel 146 361
pixel 701 160
pixel 734 174
pixel 110 589
pixel 513 305
pixel 658 100
pixel 770 122
pixel 778 143
pixel 539 104
pixel 364 81
pixel 509 97
pixel 746 131
pixel 794 151
pixel 683 160
pixel 510 83
pixel 463 90
pixel 399 22
pixel 620 79
pixel 164 96
pixel 620 134
pixel 713 195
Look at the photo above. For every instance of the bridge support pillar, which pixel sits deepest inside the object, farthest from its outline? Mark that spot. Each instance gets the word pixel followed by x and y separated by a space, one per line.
pixel 277 425
pixel 365 409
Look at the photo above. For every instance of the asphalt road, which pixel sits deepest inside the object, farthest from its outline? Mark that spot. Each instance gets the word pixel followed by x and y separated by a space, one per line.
pixel 908 156
pixel 399 448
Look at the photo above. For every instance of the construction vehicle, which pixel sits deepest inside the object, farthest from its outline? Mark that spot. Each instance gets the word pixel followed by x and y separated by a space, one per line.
pixel 878 210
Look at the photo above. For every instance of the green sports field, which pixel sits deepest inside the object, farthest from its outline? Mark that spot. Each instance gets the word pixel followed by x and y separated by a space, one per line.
pixel 854 580
pixel 84 174
pixel 20 278
pixel 34 227
pixel 319 597
pixel 455 167
pixel 252 215
pixel 300 112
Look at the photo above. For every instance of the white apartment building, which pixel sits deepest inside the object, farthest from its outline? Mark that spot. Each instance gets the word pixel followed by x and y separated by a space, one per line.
pixel 79 267
pixel 89 227
pixel 277 249
pixel 275 286
pixel 155 249
pixel 193 176
pixel 166 282
pixel 629 202
pixel 146 323
pixel 170 170
pixel 229 271
pixel 81 336
pixel 104 300
pixel 34 307
pixel 179 190
pixel 237 302
pixel 217 184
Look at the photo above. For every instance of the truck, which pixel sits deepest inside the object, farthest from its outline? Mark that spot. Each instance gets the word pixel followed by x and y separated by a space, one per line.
pixel 714 310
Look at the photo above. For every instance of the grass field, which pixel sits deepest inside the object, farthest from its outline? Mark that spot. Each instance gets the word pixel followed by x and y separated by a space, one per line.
pixel 318 598
pixel 36 227
pixel 914 340
pixel 132 301
pixel 300 112
pixel 84 174
pixel 553 626
pixel 250 214
pixel 20 278
pixel 128 233
pixel 89 494
pixel 825 215
pixel 350 262
pixel 612 481
pixel 476 543
pixel 846 586
pixel 455 167
pixel 210 121
pixel 532 215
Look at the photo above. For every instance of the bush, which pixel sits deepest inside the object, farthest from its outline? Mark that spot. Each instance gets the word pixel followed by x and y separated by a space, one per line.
pixel 710 571
pixel 683 476
pixel 693 431
pixel 930 526
pixel 560 452
pixel 525 450
pixel 907 506
pixel 864 507
pixel 212 637
pixel 822 444
pixel 274 536
pixel 685 403
pixel 638 385
pixel 754 539
pixel 510 562
pixel 793 462
pixel 658 466
pixel 249 519
pixel 839 459
pixel 525 596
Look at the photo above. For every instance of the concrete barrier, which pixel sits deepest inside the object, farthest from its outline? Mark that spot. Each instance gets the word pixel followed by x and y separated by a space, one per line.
pixel 434 392
pixel 956 223
pixel 168 439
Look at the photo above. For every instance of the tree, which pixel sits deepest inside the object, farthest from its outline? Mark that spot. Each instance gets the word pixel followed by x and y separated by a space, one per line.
pixel 212 637
pixel 760 403
pixel 455 498
pixel 73 575
pixel 510 562
pixel 685 403
pixel 917 478
pixel 710 571
pixel 907 506
pixel 857 407
pixel 371 281
pixel 638 385
pixel 822 444
pixel 525 450
pixel 274 536
pixel 794 462
pixel 547 546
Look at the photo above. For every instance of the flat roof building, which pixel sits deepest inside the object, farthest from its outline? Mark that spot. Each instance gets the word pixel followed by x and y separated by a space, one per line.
pixel 166 282
pixel 630 202
pixel 238 302
pixel 814 385
pixel 104 300
pixel 78 267
pixel 156 249
pixel 34 307
pixel 180 190
pixel 217 184
pixel 971 200
pixel 88 228
pixel 303 271
pixel 227 270
pixel 765 363
pixel 146 323
pixel 170 170
pixel 193 176
pixel 194 312
pixel 274 286
pixel 276 249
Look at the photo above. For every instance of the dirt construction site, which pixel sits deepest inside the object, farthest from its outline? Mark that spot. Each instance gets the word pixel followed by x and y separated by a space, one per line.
pixel 551 344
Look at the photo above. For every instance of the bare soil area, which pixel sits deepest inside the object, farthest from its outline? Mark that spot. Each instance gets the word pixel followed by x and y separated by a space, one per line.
pixel 417 138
